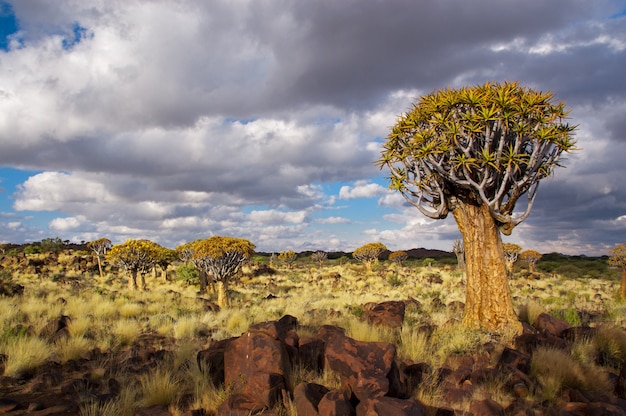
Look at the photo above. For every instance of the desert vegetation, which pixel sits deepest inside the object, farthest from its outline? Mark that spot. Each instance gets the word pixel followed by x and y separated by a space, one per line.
pixel 92 344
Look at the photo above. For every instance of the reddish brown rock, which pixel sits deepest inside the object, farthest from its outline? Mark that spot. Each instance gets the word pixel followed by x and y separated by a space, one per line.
pixel 335 403
pixel 389 406
pixel 486 407
pixel 211 360
pixel 256 367
pixel 389 314
pixel 311 354
pixel 369 368
pixel 156 410
pixel 515 359
pixel 548 324
pixel 307 397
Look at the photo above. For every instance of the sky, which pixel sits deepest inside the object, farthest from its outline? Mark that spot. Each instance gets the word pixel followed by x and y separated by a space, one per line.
pixel 178 120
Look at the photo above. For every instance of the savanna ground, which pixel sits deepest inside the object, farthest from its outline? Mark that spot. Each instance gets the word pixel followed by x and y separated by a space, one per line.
pixel 107 318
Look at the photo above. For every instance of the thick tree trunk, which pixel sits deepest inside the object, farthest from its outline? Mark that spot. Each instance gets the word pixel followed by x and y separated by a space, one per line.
pixel 143 282
pixel 488 303
pixel 222 293
pixel 100 266
pixel 622 286
pixel 202 275
pixel 164 275
pixel 132 281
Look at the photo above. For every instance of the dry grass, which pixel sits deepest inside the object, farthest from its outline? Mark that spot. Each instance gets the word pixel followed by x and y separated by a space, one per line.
pixel 24 353
pixel 107 315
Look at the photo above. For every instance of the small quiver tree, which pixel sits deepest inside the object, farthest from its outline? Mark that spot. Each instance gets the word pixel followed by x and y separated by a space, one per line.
pixel 223 258
pixel 511 253
pixel 368 254
pixel 459 252
pixel 100 248
pixel 531 257
pixel 474 152
pixel 288 257
pixel 618 259
pixel 398 257
pixel 164 259
pixel 319 257
pixel 187 253
pixel 136 257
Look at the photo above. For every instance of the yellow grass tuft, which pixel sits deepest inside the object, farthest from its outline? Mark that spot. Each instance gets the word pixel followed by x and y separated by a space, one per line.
pixel 24 354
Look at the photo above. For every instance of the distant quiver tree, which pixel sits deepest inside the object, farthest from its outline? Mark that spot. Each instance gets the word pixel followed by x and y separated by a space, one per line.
pixel 368 254
pixel 459 252
pixel 100 248
pixel 475 151
pixel 531 257
pixel 618 259
pixel 136 257
pixel 511 253
pixel 223 258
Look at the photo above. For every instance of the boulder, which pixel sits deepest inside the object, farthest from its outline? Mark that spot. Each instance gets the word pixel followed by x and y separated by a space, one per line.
pixel 389 406
pixel 486 407
pixel 211 360
pixel 256 368
pixel 389 314
pixel 307 397
pixel 335 403
pixel 548 324
pixel 368 368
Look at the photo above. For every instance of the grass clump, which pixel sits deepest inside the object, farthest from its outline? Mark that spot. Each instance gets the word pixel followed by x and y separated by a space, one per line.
pixel 24 354
pixel 161 386
pixel 556 370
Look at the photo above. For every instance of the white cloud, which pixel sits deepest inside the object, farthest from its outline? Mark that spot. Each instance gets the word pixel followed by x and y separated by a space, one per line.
pixel 362 189
pixel 333 220
pixel 65 224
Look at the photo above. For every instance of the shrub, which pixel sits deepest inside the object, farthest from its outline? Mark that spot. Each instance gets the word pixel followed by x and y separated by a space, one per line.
pixel 188 273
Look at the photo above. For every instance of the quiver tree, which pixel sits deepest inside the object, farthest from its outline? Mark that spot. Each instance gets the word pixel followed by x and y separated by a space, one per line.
pixel 618 259
pixel 164 258
pixel 368 254
pixel 187 253
pixel 223 258
pixel 319 257
pixel 288 257
pixel 459 252
pixel 136 257
pixel 100 248
pixel 398 257
pixel 531 257
pixel 474 152
pixel 511 253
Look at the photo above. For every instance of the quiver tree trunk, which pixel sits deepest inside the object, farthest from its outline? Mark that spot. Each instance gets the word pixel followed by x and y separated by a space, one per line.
pixel 488 303
pixel 132 280
pixel 100 266
pixel 222 293
pixel 622 286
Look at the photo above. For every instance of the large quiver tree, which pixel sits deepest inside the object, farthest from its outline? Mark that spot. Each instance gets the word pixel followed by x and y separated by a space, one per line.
pixel 474 152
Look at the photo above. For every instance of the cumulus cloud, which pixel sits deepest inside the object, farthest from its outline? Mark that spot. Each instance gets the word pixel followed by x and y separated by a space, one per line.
pixel 194 118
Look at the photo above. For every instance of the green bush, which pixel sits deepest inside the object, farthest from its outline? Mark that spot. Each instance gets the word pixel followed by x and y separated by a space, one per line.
pixel 188 273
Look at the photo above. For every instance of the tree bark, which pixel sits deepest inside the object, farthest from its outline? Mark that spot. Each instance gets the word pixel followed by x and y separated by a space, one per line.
pixel 622 286
pixel 488 302
pixel 222 293
pixel 143 282
pixel 100 267
pixel 132 281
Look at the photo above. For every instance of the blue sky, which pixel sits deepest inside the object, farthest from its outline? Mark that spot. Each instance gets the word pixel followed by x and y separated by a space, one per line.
pixel 178 120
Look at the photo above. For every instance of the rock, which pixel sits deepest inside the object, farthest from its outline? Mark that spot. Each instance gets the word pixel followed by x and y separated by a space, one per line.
pixel 211 360
pixel 529 342
pixel 307 397
pixel 578 333
pixel 311 354
pixel 156 410
pixel 576 409
pixel 390 314
pixel 8 405
pixel 519 407
pixel 256 368
pixel 335 403
pixel 486 407
pixel 548 324
pixel 515 359
pixel 56 329
pixel 605 409
pixel 368 368
pixel 389 406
